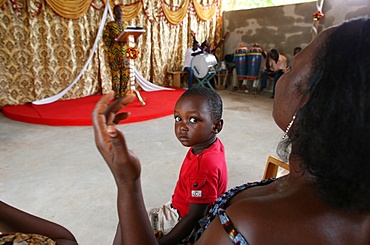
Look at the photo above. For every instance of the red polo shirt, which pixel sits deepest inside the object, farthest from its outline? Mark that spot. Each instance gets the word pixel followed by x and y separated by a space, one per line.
pixel 202 178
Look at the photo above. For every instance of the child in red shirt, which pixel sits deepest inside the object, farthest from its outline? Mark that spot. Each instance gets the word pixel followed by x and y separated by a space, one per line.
pixel 203 175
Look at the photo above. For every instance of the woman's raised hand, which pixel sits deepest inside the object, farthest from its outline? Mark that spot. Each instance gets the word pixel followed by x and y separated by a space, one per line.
pixel 123 163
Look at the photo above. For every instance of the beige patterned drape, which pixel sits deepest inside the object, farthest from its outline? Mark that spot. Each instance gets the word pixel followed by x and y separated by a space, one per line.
pixel 175 17
pixel 45 43
pixel 70 9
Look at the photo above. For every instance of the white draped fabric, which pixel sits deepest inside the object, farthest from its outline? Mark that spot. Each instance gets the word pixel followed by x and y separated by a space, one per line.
pixel 146 85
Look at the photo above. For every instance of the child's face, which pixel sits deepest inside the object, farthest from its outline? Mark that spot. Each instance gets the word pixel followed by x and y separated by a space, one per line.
pixel 194 126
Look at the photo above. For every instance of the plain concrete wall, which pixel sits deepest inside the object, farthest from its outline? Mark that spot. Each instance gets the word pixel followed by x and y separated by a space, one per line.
pixel 285 27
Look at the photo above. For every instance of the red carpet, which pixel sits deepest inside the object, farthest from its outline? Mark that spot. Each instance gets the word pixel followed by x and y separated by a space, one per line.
pixel 77 112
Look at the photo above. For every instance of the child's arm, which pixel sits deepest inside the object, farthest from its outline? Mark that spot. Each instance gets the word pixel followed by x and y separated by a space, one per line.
pixel 13 220
pixel 185 225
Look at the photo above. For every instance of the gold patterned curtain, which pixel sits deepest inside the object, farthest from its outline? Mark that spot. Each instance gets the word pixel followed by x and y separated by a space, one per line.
pixel 44 44
pixel 204 13
pixel 70 9
pixel 176 16
pixel 42 55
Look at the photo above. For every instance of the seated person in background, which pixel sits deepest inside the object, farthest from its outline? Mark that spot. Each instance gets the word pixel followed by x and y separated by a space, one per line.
pixel 275 66
pixel 229 61
pixel 206 47
pixel 325 197
pixel 18 225
pixel 189 55
pixel 203 176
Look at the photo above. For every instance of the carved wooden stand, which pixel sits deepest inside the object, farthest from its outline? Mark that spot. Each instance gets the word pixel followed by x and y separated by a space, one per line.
pixel 130 35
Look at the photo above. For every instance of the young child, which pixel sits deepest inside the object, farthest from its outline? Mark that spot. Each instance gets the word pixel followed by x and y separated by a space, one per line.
pixel 203 175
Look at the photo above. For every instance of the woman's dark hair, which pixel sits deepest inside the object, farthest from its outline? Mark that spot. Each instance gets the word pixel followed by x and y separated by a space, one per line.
pixel 213 99
pixel 331 133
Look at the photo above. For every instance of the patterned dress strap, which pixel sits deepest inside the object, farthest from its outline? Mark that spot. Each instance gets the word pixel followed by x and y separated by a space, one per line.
pixel 233 233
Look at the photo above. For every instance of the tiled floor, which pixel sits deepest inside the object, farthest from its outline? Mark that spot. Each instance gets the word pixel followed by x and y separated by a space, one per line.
pixel 57 173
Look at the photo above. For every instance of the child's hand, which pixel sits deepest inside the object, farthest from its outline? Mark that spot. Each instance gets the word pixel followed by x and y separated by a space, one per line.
pixel 123 163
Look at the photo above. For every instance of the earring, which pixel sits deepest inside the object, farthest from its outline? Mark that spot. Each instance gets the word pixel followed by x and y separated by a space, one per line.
pixel 285 135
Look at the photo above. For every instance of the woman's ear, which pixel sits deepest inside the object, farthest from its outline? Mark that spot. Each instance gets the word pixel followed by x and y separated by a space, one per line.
pixel 217 126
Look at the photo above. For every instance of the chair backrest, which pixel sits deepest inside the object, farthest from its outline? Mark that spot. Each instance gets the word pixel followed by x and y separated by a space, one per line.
pixel 272 167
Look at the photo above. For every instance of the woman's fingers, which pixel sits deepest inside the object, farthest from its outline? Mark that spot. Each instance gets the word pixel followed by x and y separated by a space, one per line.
pixel 121 116
pixel 117 105
pixel 104 118
pixel 105 112
pixel 99 120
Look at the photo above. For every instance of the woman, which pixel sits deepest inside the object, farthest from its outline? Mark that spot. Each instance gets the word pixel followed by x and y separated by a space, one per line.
pixel 322 103
pixel 116 53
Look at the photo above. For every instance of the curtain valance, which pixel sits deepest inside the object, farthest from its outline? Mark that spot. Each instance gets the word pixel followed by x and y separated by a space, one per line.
pixel 74 9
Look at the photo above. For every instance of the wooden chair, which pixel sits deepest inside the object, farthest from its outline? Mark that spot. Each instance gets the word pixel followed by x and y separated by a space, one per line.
pixel 272 166
pixel 220 81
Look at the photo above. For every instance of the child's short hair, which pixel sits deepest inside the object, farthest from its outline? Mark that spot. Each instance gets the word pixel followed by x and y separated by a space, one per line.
pixel 214 100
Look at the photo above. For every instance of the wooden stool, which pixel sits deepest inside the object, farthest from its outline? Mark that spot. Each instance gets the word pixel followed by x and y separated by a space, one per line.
pixel 176 75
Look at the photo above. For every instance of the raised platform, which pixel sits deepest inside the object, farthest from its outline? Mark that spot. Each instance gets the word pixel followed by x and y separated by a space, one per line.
pixel 77 112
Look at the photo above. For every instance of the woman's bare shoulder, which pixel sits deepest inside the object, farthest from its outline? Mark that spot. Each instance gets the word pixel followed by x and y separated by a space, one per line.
pixel 288 219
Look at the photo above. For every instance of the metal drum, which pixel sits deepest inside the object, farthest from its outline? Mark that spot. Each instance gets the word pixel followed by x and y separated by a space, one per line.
pixel 241 63
pixel 254 63
pixel 202 64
